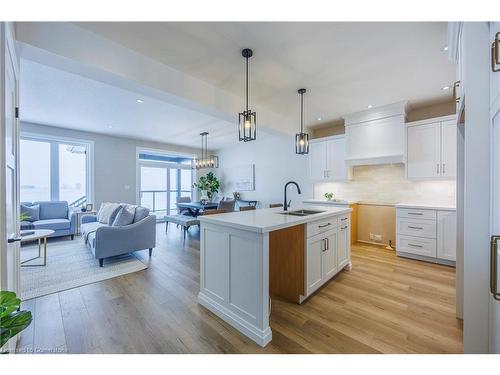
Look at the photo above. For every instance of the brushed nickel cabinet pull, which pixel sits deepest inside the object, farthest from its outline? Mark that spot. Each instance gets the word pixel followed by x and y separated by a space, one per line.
pixel 409 226
pixel 415 213
pixel 324 225
pixel 455 85
pixel 437 168
pixel 412 245
pixel 344 227
pixel 324 245
pixel 444 168
pixel 495 53
pixel 494 267
pixel 344 218
pixel 327 243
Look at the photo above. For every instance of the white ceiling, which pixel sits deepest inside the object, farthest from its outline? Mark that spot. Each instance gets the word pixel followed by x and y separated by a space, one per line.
pixel 345 66
pixel 54 97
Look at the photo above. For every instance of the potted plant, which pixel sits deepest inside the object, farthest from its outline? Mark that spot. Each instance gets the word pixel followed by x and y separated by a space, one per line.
pixel 12 320
pixel 329 196
pixel 208 185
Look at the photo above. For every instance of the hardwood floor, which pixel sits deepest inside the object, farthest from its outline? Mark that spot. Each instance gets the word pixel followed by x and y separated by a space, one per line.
pixel 385 304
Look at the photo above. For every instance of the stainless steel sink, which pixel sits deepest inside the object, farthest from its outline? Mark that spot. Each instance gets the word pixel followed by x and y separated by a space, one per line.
pixel 301 212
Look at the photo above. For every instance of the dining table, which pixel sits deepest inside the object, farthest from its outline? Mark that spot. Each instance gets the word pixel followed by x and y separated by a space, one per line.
pixel 194 208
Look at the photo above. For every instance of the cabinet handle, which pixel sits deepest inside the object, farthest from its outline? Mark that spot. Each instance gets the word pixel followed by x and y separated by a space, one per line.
pixel 495 53
pixel 409 226
pixel 444 168
pixel 437 168
pixel 324 245
pixel 343 218
pixel 415 213
pixel 455 85
pixel 324 225
pixel 412 245
pixel 344 227
pixel 494 267
pixel 327 243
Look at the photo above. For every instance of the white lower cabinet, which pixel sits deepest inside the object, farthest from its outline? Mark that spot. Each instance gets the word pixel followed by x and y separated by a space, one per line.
pixel 426 234
pixel 328 251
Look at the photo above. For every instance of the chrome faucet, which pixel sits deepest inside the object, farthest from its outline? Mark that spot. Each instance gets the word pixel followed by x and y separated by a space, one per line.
pixel 285 203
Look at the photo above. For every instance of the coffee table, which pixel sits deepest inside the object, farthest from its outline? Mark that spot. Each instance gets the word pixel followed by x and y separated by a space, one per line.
pixel 39 234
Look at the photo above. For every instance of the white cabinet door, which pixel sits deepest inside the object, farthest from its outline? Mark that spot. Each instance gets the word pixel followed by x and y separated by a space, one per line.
pixel 423 154
pixel 344 246
pixel 329 256
pixel 315 248
pixel 335 159
pixel 449 149
pixel 317 160
pixel 447 235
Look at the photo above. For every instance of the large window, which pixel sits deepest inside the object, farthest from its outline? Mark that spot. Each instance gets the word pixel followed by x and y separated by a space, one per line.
pixel 54 170
pixel 163 178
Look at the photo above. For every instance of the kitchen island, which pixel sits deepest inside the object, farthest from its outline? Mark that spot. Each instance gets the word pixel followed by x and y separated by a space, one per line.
pixel 247 256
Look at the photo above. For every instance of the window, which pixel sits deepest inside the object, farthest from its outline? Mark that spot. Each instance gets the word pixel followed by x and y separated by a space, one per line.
pixel 53 169
pixel 163 178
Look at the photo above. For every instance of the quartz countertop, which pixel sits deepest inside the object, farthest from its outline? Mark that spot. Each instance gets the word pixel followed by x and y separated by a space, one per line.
pixel 427 206
pixel 332 202
pixel 269 219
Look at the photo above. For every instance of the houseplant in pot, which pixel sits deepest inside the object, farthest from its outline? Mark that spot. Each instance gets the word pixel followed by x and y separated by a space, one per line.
pixel 208 185
pixel 13 320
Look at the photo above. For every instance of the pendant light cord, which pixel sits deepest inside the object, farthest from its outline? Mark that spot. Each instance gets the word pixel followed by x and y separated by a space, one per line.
pixel 302 112
pixel 247 81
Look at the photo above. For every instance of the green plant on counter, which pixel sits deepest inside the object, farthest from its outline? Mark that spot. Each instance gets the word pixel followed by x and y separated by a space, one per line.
pixel 210 183
pixel 12 320
pixel 24 217
pixel 329 196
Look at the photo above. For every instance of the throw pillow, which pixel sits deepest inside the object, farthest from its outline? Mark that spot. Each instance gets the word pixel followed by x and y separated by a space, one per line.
pixel 125 216
pixel 32 211
pixel 140 213
pixel 107 213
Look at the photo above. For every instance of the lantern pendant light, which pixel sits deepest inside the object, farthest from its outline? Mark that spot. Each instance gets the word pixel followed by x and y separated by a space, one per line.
pixel 247 126
pixel 205 161
pixel 302 139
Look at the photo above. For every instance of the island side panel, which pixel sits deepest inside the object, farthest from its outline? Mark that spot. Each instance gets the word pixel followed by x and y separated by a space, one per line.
pixel 234 278
pixel 287 263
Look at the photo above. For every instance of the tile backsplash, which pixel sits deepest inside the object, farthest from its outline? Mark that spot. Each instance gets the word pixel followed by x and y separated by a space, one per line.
pixel 387 184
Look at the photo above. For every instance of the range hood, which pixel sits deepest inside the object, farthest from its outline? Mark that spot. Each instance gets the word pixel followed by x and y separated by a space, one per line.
pixel 377 135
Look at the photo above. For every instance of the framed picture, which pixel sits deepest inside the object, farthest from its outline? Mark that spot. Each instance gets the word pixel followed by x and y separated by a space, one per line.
pixel 89 207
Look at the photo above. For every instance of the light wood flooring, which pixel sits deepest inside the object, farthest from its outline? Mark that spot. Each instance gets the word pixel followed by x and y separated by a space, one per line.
pixel 385 304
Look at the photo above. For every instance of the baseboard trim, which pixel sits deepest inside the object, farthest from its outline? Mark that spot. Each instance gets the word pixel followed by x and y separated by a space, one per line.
pixel 426 259
pixel 261 337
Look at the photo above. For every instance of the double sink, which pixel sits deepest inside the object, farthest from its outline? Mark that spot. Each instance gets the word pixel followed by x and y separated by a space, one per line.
pixel 301 212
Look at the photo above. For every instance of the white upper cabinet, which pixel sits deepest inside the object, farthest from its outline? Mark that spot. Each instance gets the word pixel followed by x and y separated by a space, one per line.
pixel 327 159
pixel 376 136
pixel 431 149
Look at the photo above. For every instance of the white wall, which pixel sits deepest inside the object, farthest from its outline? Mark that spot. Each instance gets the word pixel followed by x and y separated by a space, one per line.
pixel 387 184
pixel 114 161
pixel 275 164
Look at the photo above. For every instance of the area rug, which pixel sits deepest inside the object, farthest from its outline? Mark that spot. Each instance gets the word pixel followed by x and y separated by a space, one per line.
pixel 70 264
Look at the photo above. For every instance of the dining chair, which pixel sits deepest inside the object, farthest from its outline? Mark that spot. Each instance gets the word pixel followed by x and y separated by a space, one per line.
pixel 274 205
pixel 182 211
pixel 227 205
pixel 247 208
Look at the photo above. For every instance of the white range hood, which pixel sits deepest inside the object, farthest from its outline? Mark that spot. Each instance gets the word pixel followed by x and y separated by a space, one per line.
pixel 376 136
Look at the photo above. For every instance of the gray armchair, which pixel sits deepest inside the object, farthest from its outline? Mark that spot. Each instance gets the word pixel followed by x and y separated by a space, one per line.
pixel 106 241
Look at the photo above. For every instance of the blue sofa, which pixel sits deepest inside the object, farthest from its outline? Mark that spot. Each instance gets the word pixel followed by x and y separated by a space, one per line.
pixel 106 240
pixel 55 215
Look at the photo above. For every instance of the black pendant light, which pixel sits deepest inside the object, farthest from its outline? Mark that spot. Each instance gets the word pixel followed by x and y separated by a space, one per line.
pixel 247 126
pixel 302 139
pixel 205 161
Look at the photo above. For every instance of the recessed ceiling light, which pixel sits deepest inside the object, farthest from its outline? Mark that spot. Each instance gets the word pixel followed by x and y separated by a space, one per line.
pixel 140 101
pixel 318 119
pixel 110 126
pixel 444 48
pixel 369 106
pixel 445 88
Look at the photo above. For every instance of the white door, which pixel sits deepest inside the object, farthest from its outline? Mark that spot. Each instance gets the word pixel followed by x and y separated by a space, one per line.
pixel 344 246
pixel 315 247
pixel 317 160
pixel 9 138
pixel 329 256
pixel 447 235
pixel 423 154
pixel 494 326
pixel 449 149
pixel 335 160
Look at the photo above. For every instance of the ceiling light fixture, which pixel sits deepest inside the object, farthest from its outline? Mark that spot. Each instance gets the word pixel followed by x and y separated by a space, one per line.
pixel 205 161
pixel 444 48
pixel 247 126
pixel 140 101
pixel 445 88
pixel 301 139
pixel 369 106
pixel 318 119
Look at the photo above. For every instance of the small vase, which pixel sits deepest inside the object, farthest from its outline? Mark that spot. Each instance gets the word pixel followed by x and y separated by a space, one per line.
pixel 204 196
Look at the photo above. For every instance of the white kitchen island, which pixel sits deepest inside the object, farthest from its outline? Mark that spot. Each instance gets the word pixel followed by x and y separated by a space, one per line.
pixel 246 256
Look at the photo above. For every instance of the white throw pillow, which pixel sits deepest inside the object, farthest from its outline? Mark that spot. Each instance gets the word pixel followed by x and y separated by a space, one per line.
pixel 107 213
pixel 125 215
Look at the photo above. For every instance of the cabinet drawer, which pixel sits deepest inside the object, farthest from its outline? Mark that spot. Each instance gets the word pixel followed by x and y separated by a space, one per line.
pixel 417 245
pixel 416 213
pixel 322 226
pixel 417 228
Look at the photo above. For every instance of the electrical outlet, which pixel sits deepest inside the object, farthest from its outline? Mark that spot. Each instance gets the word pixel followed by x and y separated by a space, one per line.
pixel 372 237
pixel 378 237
